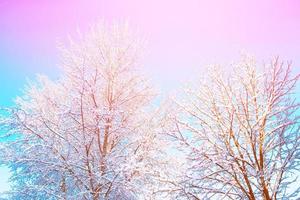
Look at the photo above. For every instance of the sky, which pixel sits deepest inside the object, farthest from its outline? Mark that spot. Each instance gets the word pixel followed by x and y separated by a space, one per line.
pixel 183 36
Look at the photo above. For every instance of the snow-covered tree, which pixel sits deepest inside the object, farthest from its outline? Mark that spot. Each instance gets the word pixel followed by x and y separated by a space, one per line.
pixel 240 132
pixel 89 134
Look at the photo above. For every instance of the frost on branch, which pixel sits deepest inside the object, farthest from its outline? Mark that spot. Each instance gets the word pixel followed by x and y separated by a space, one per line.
pixel 86 135
pixel 240 132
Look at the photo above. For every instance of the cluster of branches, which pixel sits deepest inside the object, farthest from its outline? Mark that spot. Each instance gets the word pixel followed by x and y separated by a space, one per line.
pixel 241 133
pixel 86 135
pixel 93 134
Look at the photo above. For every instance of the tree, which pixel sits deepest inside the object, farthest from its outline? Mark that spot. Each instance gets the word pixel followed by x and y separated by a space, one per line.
pixel 241 133
pixel 86 135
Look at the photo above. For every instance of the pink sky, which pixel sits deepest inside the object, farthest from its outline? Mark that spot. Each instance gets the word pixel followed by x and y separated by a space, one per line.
pixel 183 35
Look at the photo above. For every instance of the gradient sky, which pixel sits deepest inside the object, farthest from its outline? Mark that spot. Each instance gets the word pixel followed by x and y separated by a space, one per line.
pixel 183 36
